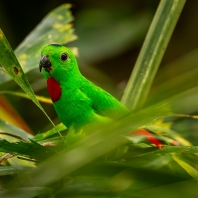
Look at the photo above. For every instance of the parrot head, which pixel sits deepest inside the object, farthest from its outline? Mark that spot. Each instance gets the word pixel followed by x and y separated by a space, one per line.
pixel 60 68
pixel 57 60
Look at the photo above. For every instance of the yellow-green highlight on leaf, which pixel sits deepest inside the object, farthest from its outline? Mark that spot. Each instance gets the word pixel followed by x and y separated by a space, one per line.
pixel 12 67
pixel 24 95
pixel 54 28
pixel 187 167
pixel 42 136
pixel 167 132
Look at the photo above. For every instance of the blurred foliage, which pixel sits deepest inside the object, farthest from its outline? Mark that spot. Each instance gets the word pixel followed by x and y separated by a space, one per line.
pixel 109 163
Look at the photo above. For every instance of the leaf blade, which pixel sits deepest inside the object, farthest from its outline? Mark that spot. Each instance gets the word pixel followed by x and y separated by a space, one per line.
pixel 54 28
pixel 151 54
pixel 12 67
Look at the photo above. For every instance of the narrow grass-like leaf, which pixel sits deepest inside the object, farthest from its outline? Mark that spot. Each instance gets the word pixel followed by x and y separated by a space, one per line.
pixel 10 64
pixel 173 149
pixel 42 136
pixel 28 149
pixel 187 167
pixel 151 54
pixel 24 95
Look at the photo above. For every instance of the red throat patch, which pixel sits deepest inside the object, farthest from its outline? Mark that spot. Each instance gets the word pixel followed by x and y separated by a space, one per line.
pixel 54 89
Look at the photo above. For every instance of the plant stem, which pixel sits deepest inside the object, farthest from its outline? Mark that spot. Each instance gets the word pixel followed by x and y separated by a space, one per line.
pixel 151 53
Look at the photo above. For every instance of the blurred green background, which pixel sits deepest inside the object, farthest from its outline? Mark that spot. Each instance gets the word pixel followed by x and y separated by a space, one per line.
pixel 110 36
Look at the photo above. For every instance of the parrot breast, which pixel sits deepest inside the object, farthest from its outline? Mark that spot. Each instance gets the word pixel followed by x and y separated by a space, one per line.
pixel 54 89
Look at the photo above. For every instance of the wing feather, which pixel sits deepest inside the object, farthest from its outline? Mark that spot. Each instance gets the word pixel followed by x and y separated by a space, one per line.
pixel 103 103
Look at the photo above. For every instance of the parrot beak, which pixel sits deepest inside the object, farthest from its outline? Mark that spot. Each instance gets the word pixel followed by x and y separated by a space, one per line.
pixel 45 63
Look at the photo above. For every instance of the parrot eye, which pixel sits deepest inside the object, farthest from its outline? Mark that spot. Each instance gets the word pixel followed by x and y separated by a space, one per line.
pixel 64 57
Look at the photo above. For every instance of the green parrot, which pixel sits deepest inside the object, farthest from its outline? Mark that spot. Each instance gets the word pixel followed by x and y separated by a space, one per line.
pixel 77 101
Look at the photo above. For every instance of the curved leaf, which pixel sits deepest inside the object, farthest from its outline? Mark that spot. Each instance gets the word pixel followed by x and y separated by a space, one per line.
pixel 24 95
pixel 42 136
pixel 187 167
pixel 10 64
pixel 30 149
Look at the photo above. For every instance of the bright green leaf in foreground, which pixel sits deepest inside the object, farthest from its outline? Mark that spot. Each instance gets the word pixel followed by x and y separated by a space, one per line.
pixel 42 136
pixel 10 65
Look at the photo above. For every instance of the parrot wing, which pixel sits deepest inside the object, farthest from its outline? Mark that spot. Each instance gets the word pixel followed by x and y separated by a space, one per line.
pixel 103 103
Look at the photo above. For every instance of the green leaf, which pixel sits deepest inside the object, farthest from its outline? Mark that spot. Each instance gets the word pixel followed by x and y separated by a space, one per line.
pixel 151 53
pixel 15 134
pixel 54 28
pixel 24 95
pixel 166 132
pixel 28 149
pixel 10 64
pixel 187 167
pixel 173 149
pixel 42 136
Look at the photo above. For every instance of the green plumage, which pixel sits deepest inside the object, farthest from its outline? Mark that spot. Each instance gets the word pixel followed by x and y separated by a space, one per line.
pixel 81 102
